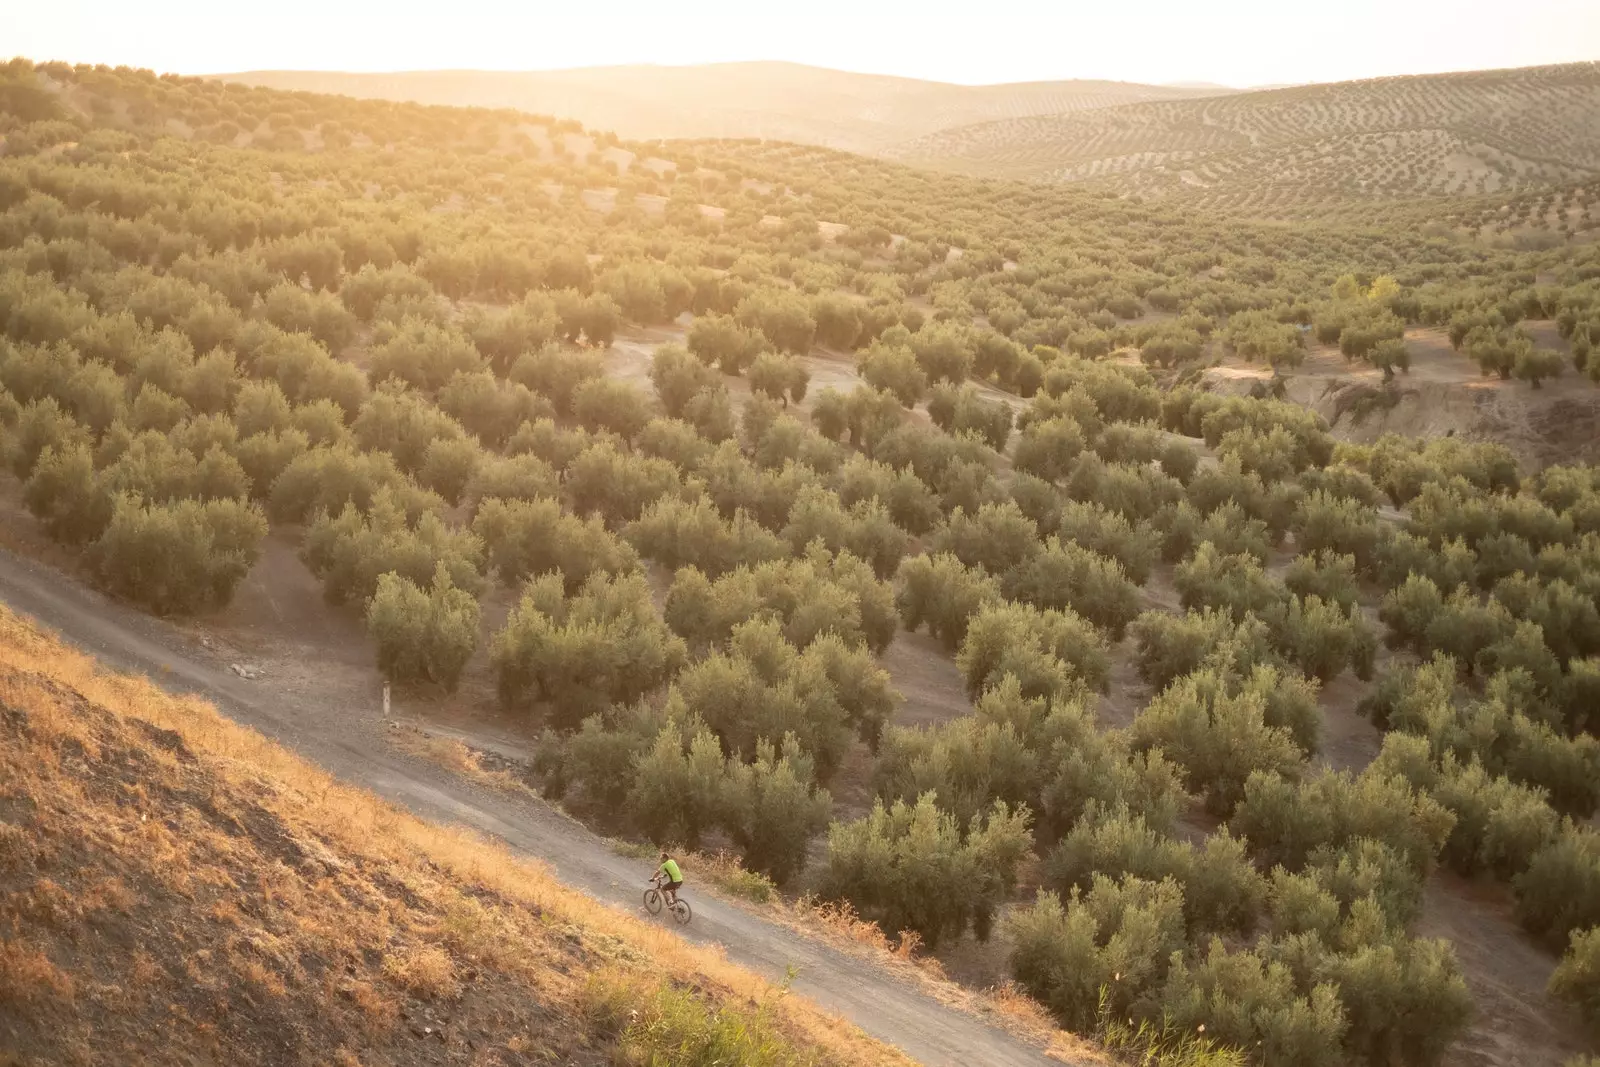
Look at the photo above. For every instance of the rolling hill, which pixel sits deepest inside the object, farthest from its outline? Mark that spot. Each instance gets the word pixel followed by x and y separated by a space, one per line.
pixel 777 101
pixel 1495 132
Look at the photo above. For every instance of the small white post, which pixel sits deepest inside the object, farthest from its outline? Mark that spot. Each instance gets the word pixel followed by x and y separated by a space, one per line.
pixel 385 700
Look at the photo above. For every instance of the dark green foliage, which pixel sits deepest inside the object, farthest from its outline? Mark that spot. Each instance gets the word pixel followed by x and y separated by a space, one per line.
pixel 965 410
pixel 556 373
pixel 1065 575
pixel 1167 646
pixel 64 494
pixel 761 686
pixel 1219 734
pixel 575 656
pixel 490 407
pixel 350 551
pixel 617 485
pixel 1286 822
pixel 1051 652
pixel 606 404
pixel 177 558
pixel 912 867
pixel 423 635
pixel 1559 893
pixel 997 537
pixel 527 538
pixel 1577 979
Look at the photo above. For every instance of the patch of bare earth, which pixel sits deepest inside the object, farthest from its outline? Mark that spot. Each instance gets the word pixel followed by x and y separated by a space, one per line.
pixel 1443 394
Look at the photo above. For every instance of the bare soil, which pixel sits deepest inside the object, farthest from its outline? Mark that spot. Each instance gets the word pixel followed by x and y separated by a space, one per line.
pixel 1443 394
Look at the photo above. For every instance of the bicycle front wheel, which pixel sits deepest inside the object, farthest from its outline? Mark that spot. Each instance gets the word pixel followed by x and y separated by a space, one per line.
pixel 681 912
pixel 652 901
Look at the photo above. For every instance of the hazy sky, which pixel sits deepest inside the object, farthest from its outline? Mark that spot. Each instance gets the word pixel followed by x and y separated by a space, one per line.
pixel 1237 42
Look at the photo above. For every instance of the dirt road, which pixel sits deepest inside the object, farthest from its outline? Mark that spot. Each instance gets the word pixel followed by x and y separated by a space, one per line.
pixel 349 743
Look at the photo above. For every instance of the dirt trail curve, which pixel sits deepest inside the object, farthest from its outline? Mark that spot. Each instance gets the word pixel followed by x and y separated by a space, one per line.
pixel 349 743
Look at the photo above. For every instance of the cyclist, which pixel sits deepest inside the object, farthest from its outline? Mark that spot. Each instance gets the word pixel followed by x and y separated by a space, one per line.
pixel 673 876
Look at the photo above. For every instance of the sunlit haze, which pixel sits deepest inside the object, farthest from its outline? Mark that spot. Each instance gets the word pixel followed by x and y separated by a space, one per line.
pixel 1234 42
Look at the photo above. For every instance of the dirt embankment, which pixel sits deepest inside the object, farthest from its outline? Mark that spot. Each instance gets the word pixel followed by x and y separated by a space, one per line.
pixel 1443 395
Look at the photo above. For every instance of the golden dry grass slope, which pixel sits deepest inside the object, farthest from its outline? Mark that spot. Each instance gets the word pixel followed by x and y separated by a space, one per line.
pixel 176 889
pixel 1436 135
pixel 779 101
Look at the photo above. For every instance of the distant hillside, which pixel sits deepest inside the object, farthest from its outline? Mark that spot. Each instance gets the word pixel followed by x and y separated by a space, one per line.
pixel 778 101
pixel 1438 135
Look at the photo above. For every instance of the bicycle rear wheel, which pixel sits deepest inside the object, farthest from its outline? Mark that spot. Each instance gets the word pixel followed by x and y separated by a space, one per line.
pixel 681 911
pixel 652 901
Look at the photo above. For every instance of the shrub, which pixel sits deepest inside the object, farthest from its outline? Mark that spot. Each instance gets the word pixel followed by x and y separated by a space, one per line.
pixel 1051 652
pixel 782 378
pixel 1093 527
pixel 609 404
pixel 177 558
pixel 43 424
pixel 675 797
pixel 448 466
pixel 772 809
pixel 678 377
pixel 618 485
pixel 1235 583
pixel 422 354
pixel 350 551
pixel 64 494
pixel 1049 449
pixel 912 505
pixel 911 867
pixel 781 316
pixel 997 537
pixel 1065 575
pixel 423 635
pixel 1337 524
pixel 528 538
pixel 1248 1002
pixel 1577 978
pixel 1322 639
pixel 1559 893
pixel 520 477
pixel 893 369
pixel 1325 574
pixel 490 407
pixel 556 373
pixel 329 479
pixel 576 656
pixel 1405 1000
pixel 1100 952
pixel 964 410
pixel 762 686
pixel 1167 646
pixel 720 340
pixel 1217 736
pixel 403 424
pixel 679 533
pixel 1286 822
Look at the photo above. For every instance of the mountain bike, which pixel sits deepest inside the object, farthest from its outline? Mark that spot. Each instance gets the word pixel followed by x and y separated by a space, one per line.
pixel 655 897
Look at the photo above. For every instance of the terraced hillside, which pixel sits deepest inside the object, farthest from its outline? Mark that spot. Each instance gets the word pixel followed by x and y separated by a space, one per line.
pixel 1486 132
pixel 777 101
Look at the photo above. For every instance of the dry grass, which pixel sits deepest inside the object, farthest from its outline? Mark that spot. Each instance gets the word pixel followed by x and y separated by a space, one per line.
pixel 165 870
pixel 453 756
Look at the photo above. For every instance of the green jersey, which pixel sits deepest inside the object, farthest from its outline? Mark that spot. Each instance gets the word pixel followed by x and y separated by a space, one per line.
pixel 670 869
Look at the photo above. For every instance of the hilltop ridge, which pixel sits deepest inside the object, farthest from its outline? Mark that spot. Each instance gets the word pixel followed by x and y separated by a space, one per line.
pixel 771 100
